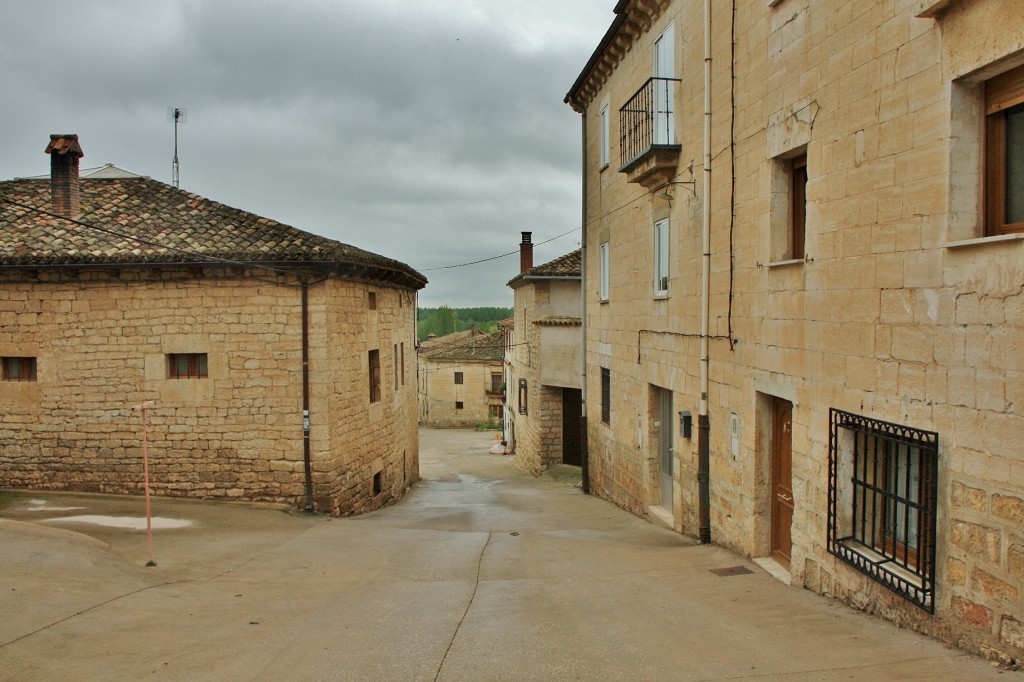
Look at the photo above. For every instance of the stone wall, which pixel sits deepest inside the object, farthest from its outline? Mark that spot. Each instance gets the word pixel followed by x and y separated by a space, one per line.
pixel 439 395
pixel 900 312
pixel 101 339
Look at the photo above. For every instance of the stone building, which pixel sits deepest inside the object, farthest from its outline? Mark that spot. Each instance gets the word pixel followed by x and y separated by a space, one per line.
pixel 279 364
pixel 460 380
pixel 805 293
pixel 544 362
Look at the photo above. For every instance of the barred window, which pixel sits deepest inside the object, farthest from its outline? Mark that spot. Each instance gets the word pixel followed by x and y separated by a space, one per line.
pixel 883 502
pixel 18 369
pixel 187 366
pixel 458 377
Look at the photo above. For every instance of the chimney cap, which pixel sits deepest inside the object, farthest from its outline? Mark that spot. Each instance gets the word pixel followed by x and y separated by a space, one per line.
pixel 64 144
pixel 527 237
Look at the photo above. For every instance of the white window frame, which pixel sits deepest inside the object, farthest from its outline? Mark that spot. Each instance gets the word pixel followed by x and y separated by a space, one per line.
pixel 662 253
pixel 605 285
pixel 665 67
pixel 605 153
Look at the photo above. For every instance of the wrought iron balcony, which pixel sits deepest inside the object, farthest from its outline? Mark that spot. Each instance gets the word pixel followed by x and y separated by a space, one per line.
pixel 648 144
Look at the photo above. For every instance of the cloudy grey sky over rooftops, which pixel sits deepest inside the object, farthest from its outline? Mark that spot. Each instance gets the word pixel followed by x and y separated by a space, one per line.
pixel 431 131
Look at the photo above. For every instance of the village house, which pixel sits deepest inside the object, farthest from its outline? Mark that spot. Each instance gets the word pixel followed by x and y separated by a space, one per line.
pixel 544 362
pixel 278 365
pixel 460 380
pixel 804 294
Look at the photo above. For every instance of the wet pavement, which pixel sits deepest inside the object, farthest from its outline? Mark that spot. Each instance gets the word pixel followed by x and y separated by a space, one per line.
pixel 482 573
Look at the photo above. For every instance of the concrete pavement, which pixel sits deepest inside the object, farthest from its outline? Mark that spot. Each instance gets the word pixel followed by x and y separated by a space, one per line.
pixel 482 573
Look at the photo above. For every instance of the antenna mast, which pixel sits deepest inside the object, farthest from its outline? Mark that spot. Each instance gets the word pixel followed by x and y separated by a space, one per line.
pixel 178 116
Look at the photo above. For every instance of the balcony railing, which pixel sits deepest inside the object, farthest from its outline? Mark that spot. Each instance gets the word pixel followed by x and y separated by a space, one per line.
pixel 647 132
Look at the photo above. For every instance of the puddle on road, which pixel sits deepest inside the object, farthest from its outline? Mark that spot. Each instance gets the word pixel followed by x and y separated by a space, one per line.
pixel 40 505
pixel 126 522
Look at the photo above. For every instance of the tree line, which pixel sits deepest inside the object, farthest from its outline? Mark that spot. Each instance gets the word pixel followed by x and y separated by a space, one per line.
pixel 444 320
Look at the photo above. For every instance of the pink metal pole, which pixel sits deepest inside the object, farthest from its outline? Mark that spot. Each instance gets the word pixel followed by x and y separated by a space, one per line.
pixel 145 472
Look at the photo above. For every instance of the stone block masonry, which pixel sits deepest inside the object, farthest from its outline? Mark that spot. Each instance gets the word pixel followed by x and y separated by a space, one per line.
pixel 102 341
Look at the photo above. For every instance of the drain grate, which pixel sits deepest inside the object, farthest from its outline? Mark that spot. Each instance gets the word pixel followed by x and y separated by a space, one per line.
pixel 731 570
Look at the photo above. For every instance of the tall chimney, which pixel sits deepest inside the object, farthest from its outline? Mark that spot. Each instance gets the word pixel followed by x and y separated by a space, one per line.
pixel 526 252
pixel 64 182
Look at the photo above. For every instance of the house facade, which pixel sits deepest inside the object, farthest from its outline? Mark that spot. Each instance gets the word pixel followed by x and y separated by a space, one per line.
pixel 460 380
pixel 804 294
pixel 544 362
pixel 276 365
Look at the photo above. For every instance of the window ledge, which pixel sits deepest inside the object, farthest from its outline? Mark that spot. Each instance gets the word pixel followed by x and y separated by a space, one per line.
pixel 785 263
pixel 660 296
pixel 981 241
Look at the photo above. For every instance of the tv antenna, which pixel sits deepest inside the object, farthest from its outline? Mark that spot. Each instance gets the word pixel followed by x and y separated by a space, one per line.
pixel 177 115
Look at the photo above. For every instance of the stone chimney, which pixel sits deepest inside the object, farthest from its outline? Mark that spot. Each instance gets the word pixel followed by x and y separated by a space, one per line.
pixel 526 252
pixel 64 182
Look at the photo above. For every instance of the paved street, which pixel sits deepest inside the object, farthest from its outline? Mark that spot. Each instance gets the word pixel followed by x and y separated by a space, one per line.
pixel 483 573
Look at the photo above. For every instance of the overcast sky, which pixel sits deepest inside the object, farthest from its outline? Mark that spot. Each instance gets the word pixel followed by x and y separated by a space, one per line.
pixel 431 131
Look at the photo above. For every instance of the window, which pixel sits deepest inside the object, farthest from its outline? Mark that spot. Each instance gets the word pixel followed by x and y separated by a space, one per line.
pixel 522 396
pixel 883 501
pixel 401 358
pixel 494 412
pixel 374 363
pixel 605 152
pixel 378 483
pixel 664 91
pixel 605 276
pixel 394 356
pixel 497 381
pixel 797 206
pixel 606 395
pixel 1004 153
pixel 458 404
pixel 661 242
pixel 458 377
pixel 19 369
pixel 371 300
pixel 187 366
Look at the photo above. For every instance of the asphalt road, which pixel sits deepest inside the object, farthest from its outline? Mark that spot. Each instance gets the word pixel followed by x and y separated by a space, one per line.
pixel 482 573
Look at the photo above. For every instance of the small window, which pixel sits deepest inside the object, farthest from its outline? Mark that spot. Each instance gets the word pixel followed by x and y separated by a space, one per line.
pixel 523 396
pixel 1004 153
pixel 374 364
pixel 19 369
pixel 401 358
pixel 394 358
pixel 661 253
pixel 187 366
pixel 606 395
pixel 797 206
pixel 378 483
pixel 371 300
pixel 605 147
pixel 883 502
pixel 497 382
pixel 605 275
pixel 459 405
pixel 458 377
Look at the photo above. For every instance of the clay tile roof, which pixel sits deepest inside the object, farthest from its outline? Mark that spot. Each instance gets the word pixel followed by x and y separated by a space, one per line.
pixel 62 144
pixel 467 345
pixel 567 266
pixel 138 220
pixel 558 321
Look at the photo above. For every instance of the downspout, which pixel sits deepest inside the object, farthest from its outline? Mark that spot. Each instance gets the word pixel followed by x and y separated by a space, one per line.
pixel 584 445
pixel 307 460
pixel 703 422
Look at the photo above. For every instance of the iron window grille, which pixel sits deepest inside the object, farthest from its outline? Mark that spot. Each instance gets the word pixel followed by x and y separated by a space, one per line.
pixel 882 503
pixel 18 369
pixel 646 121
pixel 187 366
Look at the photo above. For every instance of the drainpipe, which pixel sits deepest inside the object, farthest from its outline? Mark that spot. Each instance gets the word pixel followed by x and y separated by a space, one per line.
pixel 307 460
pixel 703 422
pixel 584 446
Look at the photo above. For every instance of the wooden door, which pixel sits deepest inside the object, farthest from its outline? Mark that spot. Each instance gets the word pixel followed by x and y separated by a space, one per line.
pixel 572 419
pixel 782 480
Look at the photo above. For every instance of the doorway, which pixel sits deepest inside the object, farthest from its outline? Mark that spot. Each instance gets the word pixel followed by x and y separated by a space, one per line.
pixel 781 489
pixel 665 452
pixel 572 404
